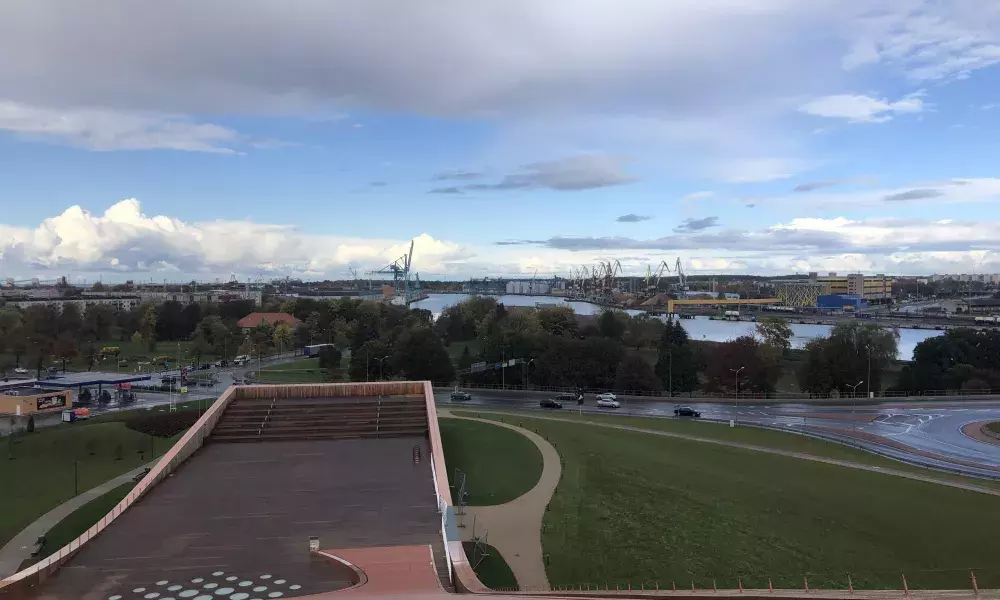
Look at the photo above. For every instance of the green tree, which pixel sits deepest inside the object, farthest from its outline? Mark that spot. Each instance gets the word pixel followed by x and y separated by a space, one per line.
pixel 329 360
pixel 635 374
pixel 199 345
pixel 558 320
pixel 465 359
pixel 282 336
pixel 742 365
pixel 148 321
pixel 246 346
pixel 69 320
pixel 677 365
pixel 97 321
pixel 420 355
pixel 368 361
pixel 853 353
pixel 65 348
pixel 611 324
pixel 774 333
pixel 137 339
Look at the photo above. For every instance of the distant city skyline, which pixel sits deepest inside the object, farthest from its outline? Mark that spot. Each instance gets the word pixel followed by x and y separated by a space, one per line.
pixel 505 137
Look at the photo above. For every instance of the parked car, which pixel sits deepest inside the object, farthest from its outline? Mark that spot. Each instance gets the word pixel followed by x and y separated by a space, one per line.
pixel 551 403
pixel 458 395
pixel 607 396
pixel 564 398
pixel 205 366
pixel 20 370
pixel 604 402
pixel 686 411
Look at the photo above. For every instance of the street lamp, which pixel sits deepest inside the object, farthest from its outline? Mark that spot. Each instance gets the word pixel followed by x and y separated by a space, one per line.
pixel 854 392
pixel 736 373
pixel 380 362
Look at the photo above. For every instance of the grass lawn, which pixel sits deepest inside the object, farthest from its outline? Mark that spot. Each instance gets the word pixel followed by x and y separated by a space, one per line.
pixel 300 371
pixel 768 438
pixel 490 566
pixel 635 508
pixel 499 464
pixel 83 519
pixel 40 475
pixel 994 426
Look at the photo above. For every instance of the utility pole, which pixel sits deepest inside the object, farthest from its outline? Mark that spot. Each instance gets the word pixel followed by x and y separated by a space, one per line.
pixel 736 373
pixel 670 379
pixel 869 392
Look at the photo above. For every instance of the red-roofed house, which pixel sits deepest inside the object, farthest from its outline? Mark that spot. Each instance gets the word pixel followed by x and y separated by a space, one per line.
pixel 254 319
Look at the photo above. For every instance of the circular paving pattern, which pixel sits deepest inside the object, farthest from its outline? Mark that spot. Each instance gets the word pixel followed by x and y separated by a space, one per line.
pixel 218 586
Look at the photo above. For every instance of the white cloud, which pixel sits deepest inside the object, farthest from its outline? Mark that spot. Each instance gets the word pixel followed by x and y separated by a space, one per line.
pixel 862 109
pixel 123 242
pixel 702 195
pixel 970 190
pixel 104 129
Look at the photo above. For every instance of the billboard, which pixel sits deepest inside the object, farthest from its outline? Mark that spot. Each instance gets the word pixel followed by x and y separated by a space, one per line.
pixel 50 401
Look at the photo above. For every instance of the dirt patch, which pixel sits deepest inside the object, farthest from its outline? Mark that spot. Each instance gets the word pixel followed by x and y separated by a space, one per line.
pixel 163 424
pixel 979 432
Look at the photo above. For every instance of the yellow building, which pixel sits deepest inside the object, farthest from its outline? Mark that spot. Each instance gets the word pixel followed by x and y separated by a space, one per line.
pixel 804 292
pixel 24 399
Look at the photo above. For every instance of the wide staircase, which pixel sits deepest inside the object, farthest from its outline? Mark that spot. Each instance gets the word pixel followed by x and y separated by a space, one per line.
pixel 260 420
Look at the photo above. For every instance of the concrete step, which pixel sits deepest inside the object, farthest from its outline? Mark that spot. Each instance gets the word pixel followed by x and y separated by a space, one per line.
pixel 271 437
pixel 441 565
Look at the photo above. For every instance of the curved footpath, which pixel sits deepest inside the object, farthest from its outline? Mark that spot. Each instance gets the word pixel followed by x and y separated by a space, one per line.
pixel 19 548
pixel 764 449
pixel 515 528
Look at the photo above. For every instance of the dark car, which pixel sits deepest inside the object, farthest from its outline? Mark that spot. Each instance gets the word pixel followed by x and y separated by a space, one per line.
pixel 460 396
pixel 686 411
pixel 550 403
pixel 205 366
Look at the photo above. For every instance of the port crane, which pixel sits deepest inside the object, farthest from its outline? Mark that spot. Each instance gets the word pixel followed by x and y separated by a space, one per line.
pixel 400 270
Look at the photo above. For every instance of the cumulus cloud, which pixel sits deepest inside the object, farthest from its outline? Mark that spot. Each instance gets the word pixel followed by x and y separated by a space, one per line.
pixel 632 218
pixel 123 239
pixel 689 225
pixel 862 109
pixel 575 173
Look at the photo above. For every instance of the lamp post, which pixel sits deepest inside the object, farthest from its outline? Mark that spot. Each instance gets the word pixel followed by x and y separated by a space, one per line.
pixel 736 373
pixel 380 362
pixel 854 394
pixel 869 387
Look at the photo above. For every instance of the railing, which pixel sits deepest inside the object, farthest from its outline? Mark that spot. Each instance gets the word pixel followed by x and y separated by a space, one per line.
pixel 167 464
pixel 722 397
pixel 463 576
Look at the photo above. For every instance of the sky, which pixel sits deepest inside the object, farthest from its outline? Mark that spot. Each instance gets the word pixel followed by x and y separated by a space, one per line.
pixel 264 138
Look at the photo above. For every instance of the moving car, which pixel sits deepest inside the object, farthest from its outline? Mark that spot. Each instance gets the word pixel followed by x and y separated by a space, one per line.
pixel 550 403
pixel 20 370
pixel 686 411
pixel 607 396
pixel 605 402
pixel 459 395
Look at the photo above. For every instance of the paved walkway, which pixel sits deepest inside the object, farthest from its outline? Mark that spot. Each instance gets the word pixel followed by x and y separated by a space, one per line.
pixel 764 449
pixel 515 528
pixel 19 548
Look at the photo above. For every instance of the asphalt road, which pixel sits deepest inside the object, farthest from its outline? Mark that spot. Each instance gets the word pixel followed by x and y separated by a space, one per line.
pixel 930 433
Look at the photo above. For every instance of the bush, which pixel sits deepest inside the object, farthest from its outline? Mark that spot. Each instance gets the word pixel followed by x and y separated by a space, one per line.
pixel 163 424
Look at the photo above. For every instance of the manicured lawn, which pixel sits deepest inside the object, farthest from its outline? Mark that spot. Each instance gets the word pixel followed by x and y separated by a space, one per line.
pixel 499 464
pixel 490 566
pixel 994 426
pixel 299 371
pixel 40 476
pixel 83 519
pixel 757 436
pixel 644 509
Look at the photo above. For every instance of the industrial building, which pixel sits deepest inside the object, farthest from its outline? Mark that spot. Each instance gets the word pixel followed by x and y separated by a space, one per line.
pixel 806 292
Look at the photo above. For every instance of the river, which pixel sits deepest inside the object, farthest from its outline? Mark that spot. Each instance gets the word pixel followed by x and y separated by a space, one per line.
pixel 699 328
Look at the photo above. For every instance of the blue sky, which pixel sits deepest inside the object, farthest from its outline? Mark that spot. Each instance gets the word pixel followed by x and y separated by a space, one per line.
pixel 303 138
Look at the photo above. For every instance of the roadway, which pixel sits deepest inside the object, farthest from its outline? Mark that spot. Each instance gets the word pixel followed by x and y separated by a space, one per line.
pixel 926 433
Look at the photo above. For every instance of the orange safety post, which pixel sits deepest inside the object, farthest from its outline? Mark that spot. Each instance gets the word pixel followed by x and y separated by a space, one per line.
pixel 674 585
pixel 714 587
pixel 770 587
pixel 975 586
pixel 906 588
pixel 805 582
pixel 739 584
pixel 850 585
